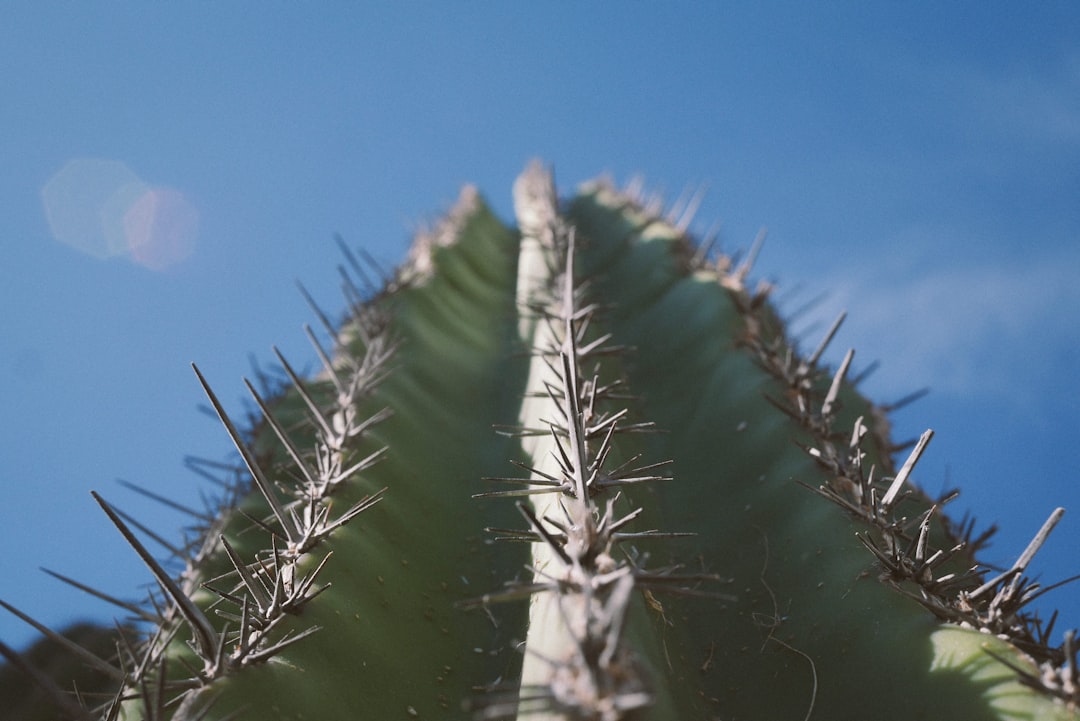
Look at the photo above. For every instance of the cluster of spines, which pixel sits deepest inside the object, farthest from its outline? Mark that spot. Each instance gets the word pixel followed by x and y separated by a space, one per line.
pixel 591 582
pixel 256 597
pixel 947 580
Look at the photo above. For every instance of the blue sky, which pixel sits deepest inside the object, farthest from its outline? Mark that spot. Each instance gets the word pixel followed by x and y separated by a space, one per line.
pixel 917 162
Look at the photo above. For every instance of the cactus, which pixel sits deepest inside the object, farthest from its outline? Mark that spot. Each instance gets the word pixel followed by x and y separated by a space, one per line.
pixel 569 470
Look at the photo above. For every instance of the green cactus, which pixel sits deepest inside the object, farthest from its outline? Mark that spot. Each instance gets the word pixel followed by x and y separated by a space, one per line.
pixel 571 470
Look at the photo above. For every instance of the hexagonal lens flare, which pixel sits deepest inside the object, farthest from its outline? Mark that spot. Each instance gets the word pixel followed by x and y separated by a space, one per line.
pixel 102 208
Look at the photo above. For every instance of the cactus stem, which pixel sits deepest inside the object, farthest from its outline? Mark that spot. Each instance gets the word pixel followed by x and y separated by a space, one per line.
pixel 576 648
pixel 597 643
pixel 206 638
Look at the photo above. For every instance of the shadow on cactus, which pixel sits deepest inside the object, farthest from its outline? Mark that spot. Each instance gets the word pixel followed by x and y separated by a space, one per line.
pixel 572 469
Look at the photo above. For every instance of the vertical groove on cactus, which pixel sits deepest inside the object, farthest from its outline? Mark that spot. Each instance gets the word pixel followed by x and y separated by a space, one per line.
pixel 668 543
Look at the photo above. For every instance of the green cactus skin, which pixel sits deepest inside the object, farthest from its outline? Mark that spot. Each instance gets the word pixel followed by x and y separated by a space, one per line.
pixel 656 550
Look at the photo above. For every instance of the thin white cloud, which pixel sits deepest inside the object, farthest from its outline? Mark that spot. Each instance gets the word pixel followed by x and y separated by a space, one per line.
pixel 1036 103
pixel 985 328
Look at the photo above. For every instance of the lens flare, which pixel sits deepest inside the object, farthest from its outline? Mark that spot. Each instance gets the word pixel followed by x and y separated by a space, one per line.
pixel 102 208
pixel 160 228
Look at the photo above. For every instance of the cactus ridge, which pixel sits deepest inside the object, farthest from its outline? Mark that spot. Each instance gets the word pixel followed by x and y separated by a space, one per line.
pixel 904 547
pixel 555 322
pixel 575 526
pixel 912 560
pixel 258 596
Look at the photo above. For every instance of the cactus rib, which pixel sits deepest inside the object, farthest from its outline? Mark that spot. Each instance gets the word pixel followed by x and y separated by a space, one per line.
pixel 577 661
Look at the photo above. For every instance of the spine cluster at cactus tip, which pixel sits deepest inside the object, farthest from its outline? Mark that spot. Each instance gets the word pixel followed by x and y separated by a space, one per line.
pixel 569 469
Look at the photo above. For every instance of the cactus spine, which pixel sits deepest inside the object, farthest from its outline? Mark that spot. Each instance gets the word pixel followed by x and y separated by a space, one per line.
pixel 656 556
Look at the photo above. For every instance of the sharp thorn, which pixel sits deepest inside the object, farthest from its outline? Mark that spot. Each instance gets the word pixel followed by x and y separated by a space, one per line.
pixel 323 319
pixel 202 517
pixel 132 608
pixel 1038 541
pixel 544 533
pixel 906 400
pixel 301 388
pixel 350 257
pixel 905 471
pixel 91 658
pixel 203 632
pixel 834 389
pixel 293 451
pixel 747 265
pixel 328 365
pixel 156 537
pixel 865 373
pixel 258 593
pixel 257 474
pixel 816 355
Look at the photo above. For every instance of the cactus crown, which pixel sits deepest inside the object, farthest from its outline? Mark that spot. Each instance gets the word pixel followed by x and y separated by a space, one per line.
pixel 657 554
